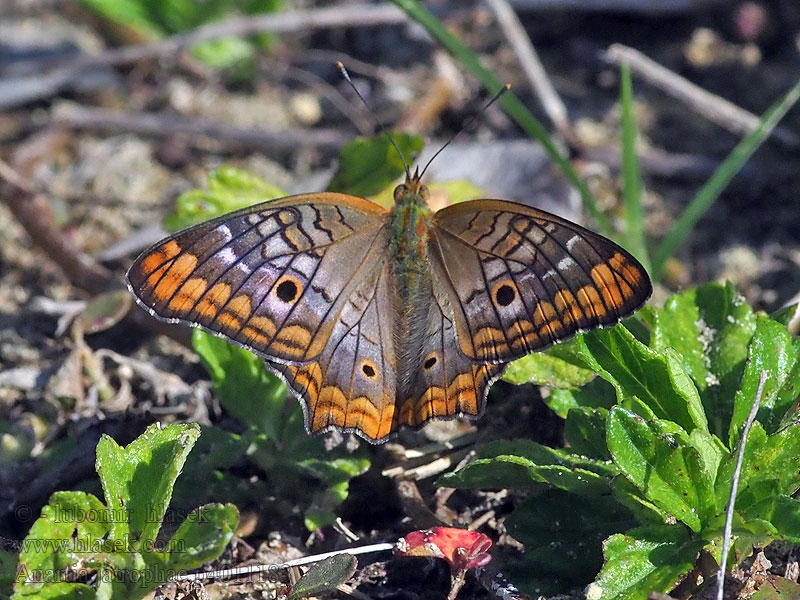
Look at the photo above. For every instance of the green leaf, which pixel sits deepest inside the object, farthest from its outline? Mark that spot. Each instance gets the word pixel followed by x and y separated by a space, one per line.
pixel 8 571
pixel 709 328
pixel 524 464
pixel 648 559
pixel 244 386
pixel 563 534
pixel 771 466
pixel 223 53
pixel 781 512
pixel 215 452
pixel 656 379
pixel 664 465
pixel 786 315
pixel 367 166
pixel 202 537
pixel 777 588
pixel 772 350
pixel 635 501
pixel 59 591
pixel 335 475
pixel 585 430
pixel 229 189
pixel 129 13
pixel 137 480
pixel 71 528
pixel 542 368
pixel 325 576
pixel 598 393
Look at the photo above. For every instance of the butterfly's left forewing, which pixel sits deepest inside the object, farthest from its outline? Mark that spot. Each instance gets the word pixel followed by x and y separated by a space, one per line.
pixel 272 277
pixel 520 279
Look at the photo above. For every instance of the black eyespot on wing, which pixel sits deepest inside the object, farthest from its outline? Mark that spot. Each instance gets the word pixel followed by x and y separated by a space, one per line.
pixel 287 290
pixel 368 370
pixel 428 364
pixel 505 294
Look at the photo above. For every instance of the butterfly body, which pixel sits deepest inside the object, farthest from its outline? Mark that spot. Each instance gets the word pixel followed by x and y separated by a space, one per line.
pixel 377 319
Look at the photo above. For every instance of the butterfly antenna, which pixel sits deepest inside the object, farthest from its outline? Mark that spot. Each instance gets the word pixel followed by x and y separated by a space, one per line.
pixel 346 75
pixel 466 124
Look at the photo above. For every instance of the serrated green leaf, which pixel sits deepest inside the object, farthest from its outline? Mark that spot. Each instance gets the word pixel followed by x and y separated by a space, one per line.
pixel 655 379
pixel 335 475
pixel 244 386
pixel 563 534
pixel 202 537
pixel 772 350
pixel 325 576
pixel 229 189
pixel 663 465
pixel 367 166
pixel 771 466
pixel 598 393
pixel 644 560
pixel 524 464
pixel 544 369
pixel 137 480
pixel 71 528
pixel 59 591
pixel 776 516
pixel 709 328
pixel 585 430
pixel 635 501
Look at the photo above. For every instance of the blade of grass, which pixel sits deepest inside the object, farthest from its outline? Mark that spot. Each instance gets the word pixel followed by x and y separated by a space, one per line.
pixel 515 108
pixel 631 176
pixel 720 179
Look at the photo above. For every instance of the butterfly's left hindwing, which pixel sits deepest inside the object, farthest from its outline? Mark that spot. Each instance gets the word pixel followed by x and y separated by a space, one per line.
pixel 520 279
pixel 271 277
pixel 352 385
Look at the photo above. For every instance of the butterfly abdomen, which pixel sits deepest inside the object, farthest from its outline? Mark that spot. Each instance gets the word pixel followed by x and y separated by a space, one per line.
pixel 412 282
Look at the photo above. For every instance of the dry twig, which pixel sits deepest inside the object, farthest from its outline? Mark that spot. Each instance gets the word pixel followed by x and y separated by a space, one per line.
pixel 712 107
pixel 41 83
pixel 726 536
pixel 529 60
pixel 165 125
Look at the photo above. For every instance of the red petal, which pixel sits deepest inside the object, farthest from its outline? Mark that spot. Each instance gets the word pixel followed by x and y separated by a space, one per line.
pixel 445 542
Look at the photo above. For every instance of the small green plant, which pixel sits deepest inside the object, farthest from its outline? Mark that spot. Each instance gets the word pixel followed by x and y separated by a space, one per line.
pixel 156 18
pixel 82 548
pixel 640 494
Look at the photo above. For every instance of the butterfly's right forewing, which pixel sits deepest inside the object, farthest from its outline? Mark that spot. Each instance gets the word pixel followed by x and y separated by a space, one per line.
pixel 520 279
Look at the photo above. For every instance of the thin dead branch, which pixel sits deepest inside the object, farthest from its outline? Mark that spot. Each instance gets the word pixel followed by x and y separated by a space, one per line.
pixel 200 132
pixel 726 536
pixel 643 7
pixel 712 107
pixel 529 61
pixel 41 83
pixel 35 214
pixel 298 562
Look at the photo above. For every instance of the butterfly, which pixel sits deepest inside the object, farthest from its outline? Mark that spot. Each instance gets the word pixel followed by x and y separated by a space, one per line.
pixel 378 319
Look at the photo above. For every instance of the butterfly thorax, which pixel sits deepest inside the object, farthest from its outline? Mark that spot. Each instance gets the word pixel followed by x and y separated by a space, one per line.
pixel 409 234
